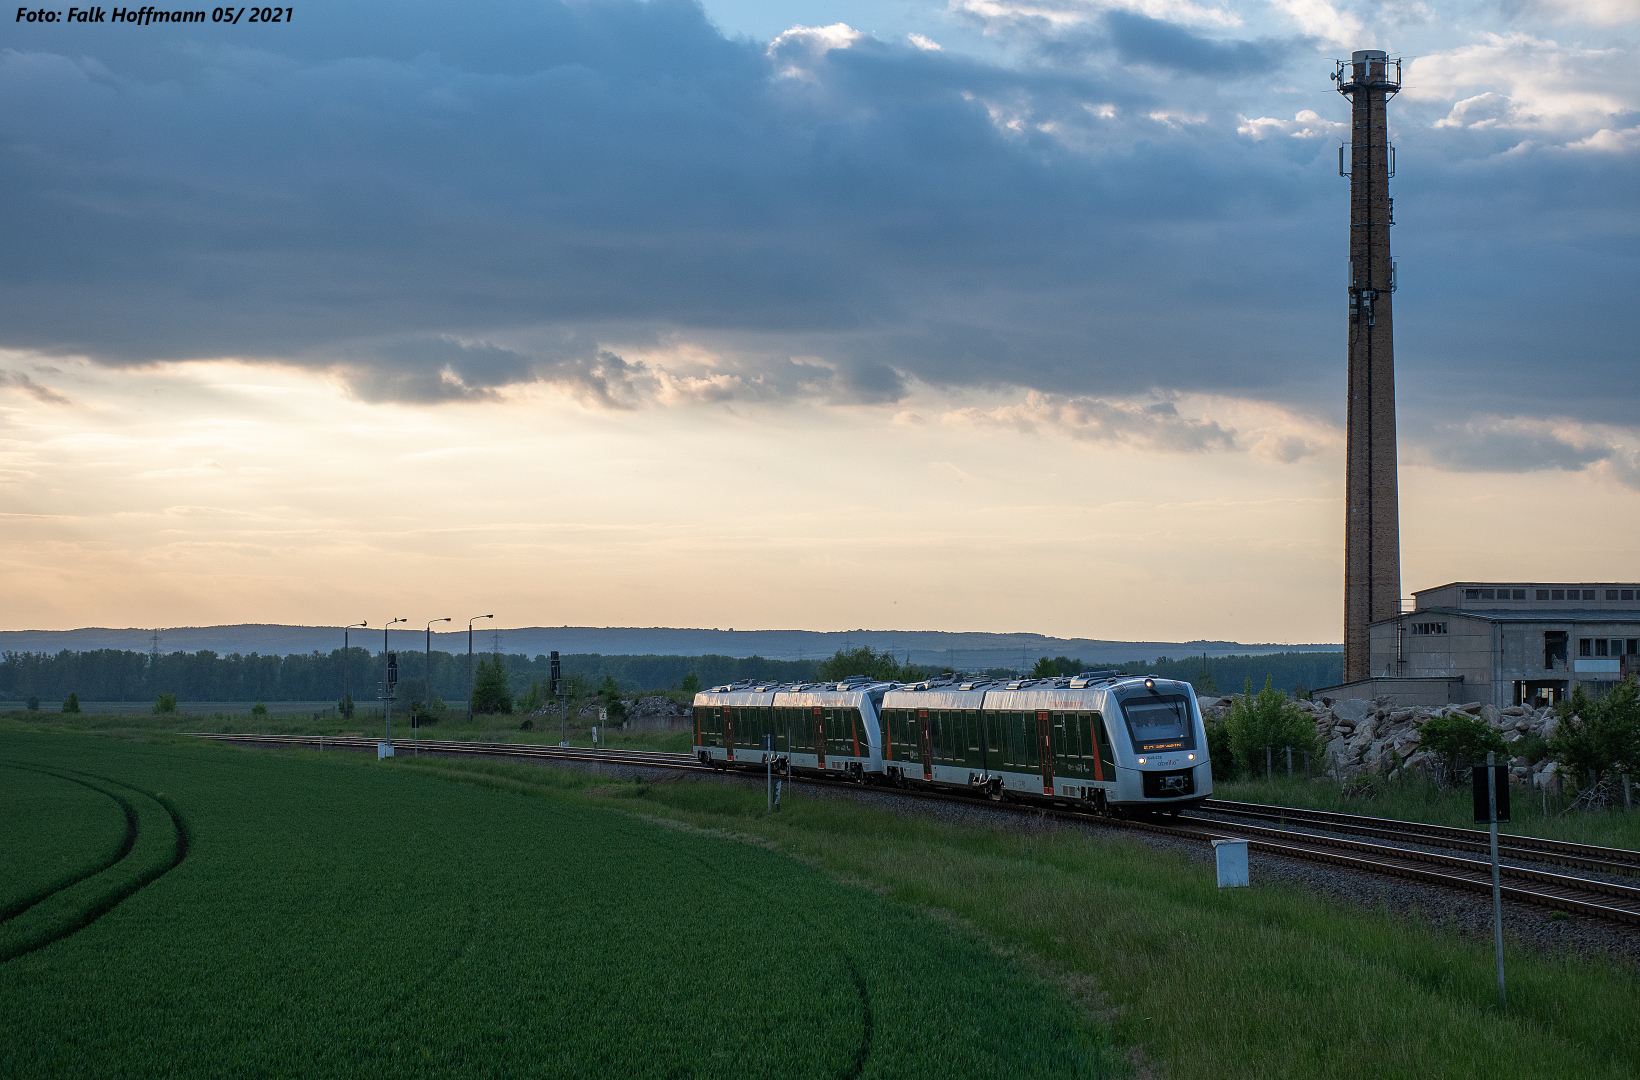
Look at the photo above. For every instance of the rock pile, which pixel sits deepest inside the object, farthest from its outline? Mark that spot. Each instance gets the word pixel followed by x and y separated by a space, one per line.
pixel 1377 736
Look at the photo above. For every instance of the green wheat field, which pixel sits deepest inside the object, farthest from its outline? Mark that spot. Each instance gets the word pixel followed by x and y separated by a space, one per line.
pixel 177 908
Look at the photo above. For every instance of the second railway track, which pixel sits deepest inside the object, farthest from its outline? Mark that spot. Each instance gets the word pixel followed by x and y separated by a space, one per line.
pixel 1403 857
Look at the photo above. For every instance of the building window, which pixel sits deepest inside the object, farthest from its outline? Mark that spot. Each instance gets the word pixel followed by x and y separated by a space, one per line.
pixel 1554 648
pixel 1588 594
pixel 1517 594
pixel 1543 594
pixel 1611 594
pixel 1585 646
pixel 1429 628
pixel 1634 646
pixel 1471 594
pixel 1600 646
pixel 1558 594
pixel 1628 594
pixel 1617 646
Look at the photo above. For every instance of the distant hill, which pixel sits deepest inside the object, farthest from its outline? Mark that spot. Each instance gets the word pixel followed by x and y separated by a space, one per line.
pixel 933 648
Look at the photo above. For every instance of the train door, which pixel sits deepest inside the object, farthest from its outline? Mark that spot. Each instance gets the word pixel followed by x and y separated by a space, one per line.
pixel 819 739
pixel 1044 741
pixel 729 730
pixel 1088 724
pixel 1106 753
pixel 925 742
pixel 1065 757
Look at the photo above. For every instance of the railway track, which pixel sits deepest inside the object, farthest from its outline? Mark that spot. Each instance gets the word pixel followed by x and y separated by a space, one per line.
pixel 1404 857
pixel 1510 846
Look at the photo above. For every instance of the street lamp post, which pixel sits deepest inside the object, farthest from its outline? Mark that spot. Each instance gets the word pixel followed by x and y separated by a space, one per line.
pixel 470 623
pixel 427 698
pixel 387 689
pixel 347 685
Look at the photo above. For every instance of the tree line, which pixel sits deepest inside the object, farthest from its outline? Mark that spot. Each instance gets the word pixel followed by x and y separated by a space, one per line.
pixel 125 675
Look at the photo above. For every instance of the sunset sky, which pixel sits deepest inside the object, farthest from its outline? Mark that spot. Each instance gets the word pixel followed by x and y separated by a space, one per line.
pixel 965 315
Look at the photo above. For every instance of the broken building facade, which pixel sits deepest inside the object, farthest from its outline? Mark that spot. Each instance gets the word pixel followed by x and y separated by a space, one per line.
pixel 1504 643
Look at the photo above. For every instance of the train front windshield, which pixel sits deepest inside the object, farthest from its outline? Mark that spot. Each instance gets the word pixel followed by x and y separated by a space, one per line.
pixel 1159 722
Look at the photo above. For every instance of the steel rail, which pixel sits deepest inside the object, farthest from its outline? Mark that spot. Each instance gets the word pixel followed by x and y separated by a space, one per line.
pixel 1563 892
pixel 1511 845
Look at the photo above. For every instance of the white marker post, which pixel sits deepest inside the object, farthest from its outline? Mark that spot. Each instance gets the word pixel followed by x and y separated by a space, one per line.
pixel 1230 859
pixel 768 765
pixel 1490 789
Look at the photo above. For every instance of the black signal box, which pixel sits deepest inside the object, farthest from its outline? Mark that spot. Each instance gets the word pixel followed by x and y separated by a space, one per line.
pixel 1500 773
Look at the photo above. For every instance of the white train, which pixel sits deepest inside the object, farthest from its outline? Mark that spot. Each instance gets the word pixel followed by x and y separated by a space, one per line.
pixel 1112 741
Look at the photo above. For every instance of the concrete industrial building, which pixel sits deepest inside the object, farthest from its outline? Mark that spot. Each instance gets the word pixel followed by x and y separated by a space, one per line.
pixel 1503 643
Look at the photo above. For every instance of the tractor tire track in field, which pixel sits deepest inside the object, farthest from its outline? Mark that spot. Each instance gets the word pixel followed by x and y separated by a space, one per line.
pixel 102 905
pixel 17 907
pixel 865 1020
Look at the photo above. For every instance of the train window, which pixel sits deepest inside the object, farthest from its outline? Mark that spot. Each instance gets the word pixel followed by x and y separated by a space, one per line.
pixel 1159 722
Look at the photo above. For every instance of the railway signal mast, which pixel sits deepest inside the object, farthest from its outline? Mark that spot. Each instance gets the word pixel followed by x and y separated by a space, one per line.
pixel 390 680
pixel 1372 527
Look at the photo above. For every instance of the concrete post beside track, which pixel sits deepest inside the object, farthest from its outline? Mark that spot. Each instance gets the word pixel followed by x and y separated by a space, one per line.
pixel 1497 895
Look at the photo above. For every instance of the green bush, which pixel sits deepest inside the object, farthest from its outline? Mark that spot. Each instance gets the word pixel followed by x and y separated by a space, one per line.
pixel 1597 738
pixel 865 661
pixel 1220 752
pixel 72 705
pixel 1458 741
pixel 259 710
pixel 691 683
pixel 1530 747
pixel 1266 719
pixel 165 703
pixel 344 707
pixel 490 693
pixel 610 694
pixel 34 703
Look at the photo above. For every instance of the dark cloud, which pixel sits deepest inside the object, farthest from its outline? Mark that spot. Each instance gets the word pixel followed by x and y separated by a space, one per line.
pixel 1156 43
pixel 1143 40
pixel 32 388
pixel 438 204
pixel 1512 445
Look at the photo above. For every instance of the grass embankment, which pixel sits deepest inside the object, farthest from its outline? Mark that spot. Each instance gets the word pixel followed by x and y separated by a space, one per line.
pixel 1415 799
pixel 339 916
pixel 498 728
pixel 1268 982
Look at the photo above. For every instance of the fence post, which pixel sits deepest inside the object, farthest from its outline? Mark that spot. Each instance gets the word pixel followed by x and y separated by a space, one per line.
pixel 1289 763
pixel 1269 769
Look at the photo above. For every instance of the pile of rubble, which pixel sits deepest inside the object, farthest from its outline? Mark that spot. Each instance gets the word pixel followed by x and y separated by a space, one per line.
pixel 1377 736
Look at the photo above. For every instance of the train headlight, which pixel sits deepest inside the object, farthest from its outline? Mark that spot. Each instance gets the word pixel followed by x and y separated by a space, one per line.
pixel 1141 761
pixel 1191 757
